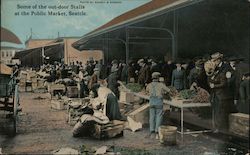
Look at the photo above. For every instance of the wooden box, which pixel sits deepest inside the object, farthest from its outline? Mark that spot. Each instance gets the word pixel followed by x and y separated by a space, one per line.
pixel 112 129
pixel 126 97
pixel 72 92
pixel 239 124
pixel 57 104
pixel 56 87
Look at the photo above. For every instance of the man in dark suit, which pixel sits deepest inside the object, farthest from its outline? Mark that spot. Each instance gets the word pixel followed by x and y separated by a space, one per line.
pixel 144 73
pixel 179 77
pixel 166 72
pixel 221 99
pixel 244 93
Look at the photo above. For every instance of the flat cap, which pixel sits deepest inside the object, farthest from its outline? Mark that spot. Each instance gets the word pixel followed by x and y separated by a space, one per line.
pixel 156 75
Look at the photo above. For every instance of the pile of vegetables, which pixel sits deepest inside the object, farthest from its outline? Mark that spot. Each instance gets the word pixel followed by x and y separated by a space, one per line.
pixel 187 93
pixel 134 87
pixel 173 92
pixel 202 96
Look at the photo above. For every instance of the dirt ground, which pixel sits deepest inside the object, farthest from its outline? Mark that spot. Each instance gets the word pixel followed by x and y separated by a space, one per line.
pixel 42 130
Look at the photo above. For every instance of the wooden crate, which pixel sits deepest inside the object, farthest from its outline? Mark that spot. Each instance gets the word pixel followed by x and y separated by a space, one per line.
pixel 40 83
pixel 56 87
pixel 57 104
pixel 239 124
pixel 112 129
pixel 126 96
pixel 72 91
pixel 34 85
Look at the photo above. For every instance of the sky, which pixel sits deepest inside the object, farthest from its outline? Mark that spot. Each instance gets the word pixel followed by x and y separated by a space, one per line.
pixel 98 12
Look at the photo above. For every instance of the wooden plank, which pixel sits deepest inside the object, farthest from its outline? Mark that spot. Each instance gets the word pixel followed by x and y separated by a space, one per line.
pixel 141 114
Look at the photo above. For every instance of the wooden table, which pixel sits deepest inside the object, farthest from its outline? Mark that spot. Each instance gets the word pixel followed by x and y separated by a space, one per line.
pixel 181 105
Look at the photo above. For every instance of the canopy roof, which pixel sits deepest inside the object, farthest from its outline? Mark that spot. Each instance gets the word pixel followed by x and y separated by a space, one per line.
pixel 8 36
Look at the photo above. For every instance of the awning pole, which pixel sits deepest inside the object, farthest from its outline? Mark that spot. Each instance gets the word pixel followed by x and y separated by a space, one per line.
pixel 127 45
pixel 175 31
pixel 43 55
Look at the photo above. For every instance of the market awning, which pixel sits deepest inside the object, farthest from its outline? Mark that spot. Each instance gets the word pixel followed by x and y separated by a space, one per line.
pixel 37 56
pixel 127 29
pixel 8 36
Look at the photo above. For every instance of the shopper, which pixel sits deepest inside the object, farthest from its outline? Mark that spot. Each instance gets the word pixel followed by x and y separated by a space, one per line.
pixel 179 77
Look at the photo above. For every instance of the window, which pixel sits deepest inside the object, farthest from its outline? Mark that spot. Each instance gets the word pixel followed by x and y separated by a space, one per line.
pixel 2 53
pixel 7 53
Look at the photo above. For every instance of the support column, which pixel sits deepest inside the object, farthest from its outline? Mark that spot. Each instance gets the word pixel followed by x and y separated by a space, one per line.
pixel 175 38
pixel 127 45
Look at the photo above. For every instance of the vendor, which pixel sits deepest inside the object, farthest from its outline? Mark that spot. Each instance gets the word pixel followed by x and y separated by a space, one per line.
pixel 156 90
pixel 220 93
pixel 94 78
pixel 112 82
pixel 198 76
pixel 107 102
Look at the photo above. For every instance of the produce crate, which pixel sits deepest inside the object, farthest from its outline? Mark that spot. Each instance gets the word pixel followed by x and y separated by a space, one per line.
pixel 56 88
pixel 72 92
pixel 57 104
pixel 239 124
pixel 112 129
pixel 126 97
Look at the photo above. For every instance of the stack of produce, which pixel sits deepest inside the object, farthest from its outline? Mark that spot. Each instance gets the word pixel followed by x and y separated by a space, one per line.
pixel 187 94
pixel 173 92
pixel 202 96
pixel 134 87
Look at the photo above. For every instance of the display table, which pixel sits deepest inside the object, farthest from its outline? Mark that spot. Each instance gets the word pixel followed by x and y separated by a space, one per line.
pixel 181 105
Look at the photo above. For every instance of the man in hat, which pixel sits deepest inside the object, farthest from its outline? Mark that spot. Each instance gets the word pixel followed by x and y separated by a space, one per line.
pixel 144 73
pixel 167 70
pixel 179 77
pixel 221 99
pixel 244 93
pixel 156 90
pixel 114 65
pixel 197 75
pixel 112 82
pixel 234 76
pixel 94 78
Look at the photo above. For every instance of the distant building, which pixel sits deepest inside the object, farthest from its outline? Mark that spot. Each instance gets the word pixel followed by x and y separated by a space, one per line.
pixel 40 51
pixel 7 55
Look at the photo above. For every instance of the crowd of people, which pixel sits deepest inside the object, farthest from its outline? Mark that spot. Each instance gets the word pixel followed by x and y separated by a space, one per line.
pixel 220 76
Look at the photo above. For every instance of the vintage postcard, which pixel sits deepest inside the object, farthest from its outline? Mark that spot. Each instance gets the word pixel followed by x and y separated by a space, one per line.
pixel 125 77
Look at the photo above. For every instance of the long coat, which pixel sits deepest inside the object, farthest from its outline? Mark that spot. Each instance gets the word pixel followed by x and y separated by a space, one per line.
pixel 144 75
pixel 112 83
pixel 244 100
pixel 234 81
pixel 179 79
pixel 220 97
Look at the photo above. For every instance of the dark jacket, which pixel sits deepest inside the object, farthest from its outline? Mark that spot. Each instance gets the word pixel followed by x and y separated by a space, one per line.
pixel 179 79
pixel 144 75
pixel 234 81
pixel 112 83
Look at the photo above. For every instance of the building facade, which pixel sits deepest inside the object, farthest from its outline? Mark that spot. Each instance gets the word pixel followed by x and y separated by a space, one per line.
pixel 6 55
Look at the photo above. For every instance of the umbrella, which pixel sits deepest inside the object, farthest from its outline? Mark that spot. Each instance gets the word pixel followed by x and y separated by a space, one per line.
pixel 8 36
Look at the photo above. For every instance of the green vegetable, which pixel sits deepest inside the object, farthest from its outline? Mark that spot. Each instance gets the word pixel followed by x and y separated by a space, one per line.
pixel 187 94
pixel 134 87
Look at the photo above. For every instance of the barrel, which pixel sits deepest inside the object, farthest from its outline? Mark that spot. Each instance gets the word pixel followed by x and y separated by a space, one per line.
pixel 167 135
